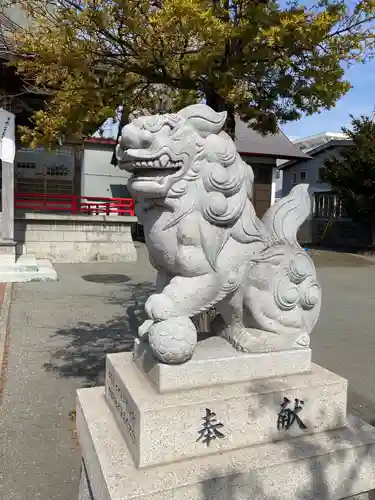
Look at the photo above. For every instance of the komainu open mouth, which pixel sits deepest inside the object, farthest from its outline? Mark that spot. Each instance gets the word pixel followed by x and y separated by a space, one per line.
pixel 148 174
pixel 139 166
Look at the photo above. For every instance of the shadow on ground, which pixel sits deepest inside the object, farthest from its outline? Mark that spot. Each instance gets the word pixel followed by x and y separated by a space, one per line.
pixel 89 343
pixel 328 258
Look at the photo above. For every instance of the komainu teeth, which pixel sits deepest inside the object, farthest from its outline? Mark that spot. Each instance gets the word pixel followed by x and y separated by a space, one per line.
pixel 164 159
pixel 163 162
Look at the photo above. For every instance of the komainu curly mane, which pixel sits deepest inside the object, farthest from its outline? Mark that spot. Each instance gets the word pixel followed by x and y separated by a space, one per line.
pixel 219 185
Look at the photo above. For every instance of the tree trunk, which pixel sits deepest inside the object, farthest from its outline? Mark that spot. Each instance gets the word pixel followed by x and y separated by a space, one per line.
pixel 124 120
pixel 217 103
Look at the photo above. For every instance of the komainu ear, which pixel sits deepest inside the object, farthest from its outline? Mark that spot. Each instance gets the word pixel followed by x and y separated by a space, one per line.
pixel 204 119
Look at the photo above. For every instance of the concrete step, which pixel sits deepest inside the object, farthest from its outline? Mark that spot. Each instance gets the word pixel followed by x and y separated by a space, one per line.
pixel 28 268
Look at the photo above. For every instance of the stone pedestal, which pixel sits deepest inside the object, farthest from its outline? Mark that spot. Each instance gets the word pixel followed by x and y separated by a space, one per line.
pixel 25 268
pixel 7 253
pixel 147 435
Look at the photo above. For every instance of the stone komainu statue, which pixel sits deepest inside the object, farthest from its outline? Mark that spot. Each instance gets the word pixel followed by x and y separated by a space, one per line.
pixel 193 196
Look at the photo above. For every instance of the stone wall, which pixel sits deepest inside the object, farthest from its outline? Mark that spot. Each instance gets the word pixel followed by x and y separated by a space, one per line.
pixel 76 238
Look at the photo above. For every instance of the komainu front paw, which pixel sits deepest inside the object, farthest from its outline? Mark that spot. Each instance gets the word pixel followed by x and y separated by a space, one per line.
pixel 160 307
pixel 144 328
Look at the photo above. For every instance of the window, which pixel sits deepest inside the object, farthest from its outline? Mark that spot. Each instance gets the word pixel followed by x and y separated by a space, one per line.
pixel 277 173
pixel 328 206
pixel 302 176
pixel 294 178
pixel 30 150
pixel 58 170
pixel 64 151
pixel 322 174
pixel 25 165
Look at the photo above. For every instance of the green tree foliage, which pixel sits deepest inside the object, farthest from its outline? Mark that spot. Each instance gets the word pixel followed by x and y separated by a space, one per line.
pixel 265 61
pixel 352 174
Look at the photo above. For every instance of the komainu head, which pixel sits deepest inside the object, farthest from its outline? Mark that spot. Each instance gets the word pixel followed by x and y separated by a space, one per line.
pixel 162 150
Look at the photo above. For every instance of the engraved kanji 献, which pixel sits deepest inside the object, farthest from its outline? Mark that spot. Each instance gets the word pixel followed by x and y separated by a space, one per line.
pixel 288 416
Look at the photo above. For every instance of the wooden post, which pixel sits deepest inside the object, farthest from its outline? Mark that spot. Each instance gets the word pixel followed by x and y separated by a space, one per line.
pixel 7 154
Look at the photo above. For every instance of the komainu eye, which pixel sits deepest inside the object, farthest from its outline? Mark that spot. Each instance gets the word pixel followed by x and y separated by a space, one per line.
pixel 145 137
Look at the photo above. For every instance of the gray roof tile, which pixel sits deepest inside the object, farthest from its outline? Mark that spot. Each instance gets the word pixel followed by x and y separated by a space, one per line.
pixel 251 142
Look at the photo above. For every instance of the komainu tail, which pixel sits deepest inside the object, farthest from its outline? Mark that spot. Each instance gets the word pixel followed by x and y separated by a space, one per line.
pixel 283 219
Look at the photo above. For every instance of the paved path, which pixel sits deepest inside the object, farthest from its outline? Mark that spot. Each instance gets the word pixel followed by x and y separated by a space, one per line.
pixel 344 339
pixel 61 331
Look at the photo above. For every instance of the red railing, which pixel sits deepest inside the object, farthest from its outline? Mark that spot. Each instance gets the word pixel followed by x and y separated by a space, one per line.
pixel 81 205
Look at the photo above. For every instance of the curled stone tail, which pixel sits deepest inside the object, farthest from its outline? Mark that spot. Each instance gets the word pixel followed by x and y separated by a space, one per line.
pixel 283 219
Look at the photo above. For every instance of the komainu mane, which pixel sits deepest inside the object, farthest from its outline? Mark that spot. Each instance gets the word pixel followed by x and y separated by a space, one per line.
pixel 193 194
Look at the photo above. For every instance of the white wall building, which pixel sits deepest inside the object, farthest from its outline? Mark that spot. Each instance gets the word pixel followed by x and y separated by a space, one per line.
pixel 305 144
pixel 99 178
pixel 312 171
pixel 45 172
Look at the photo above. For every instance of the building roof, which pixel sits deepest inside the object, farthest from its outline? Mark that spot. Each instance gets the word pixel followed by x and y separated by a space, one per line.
pixel 248 143
pixel 313 141
pixel 318 150
pixel 253 143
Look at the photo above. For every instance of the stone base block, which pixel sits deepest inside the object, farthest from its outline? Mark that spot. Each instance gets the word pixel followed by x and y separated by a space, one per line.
pixel 163 428
pixel 326 466
pixel 7 253
pixel 27 268
pixel 215 361
pixel 76 238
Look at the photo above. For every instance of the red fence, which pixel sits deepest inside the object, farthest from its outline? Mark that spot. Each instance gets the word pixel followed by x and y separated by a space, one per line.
pixel 76 205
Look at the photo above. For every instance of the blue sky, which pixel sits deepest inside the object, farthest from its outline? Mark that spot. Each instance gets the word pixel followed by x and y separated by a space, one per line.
pixel 359 101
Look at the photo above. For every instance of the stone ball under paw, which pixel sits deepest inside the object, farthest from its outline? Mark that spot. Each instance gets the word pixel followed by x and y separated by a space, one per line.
pixel 173 340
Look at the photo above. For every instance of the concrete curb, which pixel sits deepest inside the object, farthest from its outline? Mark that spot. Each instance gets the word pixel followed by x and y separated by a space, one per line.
pixel 4 321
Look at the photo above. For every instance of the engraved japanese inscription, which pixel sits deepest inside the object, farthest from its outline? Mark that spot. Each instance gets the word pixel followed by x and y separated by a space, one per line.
pixel 210 428
pixel 122 404
pixel 289 415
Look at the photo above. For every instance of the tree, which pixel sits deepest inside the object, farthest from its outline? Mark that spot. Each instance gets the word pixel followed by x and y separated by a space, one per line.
pixel 265 62
pixel 352 174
